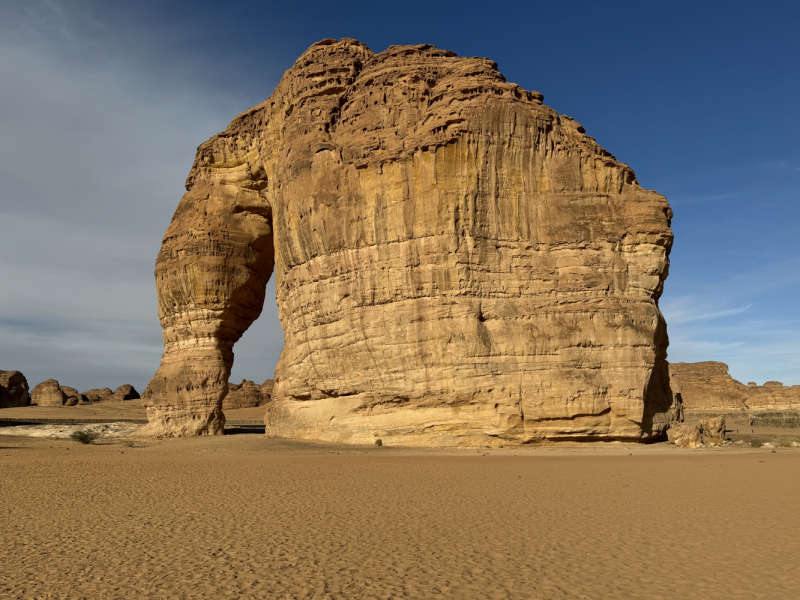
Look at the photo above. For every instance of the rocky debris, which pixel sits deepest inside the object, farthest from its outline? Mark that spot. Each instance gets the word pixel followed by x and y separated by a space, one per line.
pixel 456 262
pixel 708 386
pixel 125 392
pixel 245 395
pixel 710 432
pixel 98 395
pixel 48 393
pixel 13 389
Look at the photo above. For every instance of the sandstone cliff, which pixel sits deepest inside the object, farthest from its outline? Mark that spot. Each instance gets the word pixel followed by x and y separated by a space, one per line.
pixel 707 386
pixel 456 263
pixel 13 389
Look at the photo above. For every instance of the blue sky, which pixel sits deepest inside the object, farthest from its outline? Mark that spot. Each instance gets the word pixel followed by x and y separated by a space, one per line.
pixel 103 105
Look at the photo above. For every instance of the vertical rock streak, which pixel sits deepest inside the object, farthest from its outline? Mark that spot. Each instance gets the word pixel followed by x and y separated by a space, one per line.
pixel 455 262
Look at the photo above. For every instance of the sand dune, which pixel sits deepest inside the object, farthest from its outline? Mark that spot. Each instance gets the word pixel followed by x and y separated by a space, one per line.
pixel 246 516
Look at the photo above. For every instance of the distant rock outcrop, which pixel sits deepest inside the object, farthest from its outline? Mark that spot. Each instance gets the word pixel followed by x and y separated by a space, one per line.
pixel 73 396
pixel 48 393
pixel 707 386
pixel 51 393
pixel 456 262
pixel 245 395
pixel 98 395
pixel 125 392
pixel 13 389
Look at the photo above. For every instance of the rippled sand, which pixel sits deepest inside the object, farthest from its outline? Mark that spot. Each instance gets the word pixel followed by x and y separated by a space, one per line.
pixel 248 517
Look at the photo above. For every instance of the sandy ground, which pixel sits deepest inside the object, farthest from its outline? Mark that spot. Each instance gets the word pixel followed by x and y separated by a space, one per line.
pixel 252 517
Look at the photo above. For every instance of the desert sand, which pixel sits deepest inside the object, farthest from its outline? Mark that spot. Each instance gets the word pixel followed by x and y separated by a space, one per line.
pixel 253 517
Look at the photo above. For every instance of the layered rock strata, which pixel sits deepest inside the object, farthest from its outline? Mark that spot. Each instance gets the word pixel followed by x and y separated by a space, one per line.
pixel 707 386
pixel 13 389
pixel 125 392
pixel 455 262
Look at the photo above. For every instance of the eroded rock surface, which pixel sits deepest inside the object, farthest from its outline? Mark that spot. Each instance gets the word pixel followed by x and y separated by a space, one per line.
pixel 245 395
pixel 48 393
pixel 456 262
pixel 709 432
pixel 707 386
pixel 13 389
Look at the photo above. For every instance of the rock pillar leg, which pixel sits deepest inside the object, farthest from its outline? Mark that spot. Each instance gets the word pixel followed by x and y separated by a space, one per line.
pixel 211 274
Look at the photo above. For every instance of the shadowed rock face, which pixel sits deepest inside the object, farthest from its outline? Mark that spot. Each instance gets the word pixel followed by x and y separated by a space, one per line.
pixel 455 262
pixel 13 389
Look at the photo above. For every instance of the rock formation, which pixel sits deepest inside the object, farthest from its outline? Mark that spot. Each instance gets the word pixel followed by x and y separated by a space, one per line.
pixel 98 395
pixel 773 395
pixel 707 386
pixel 13 389
pixel 48 393
pixel 125 392
pixel 710 432
pixel 455 262
pixel 73 396
pixel 245 395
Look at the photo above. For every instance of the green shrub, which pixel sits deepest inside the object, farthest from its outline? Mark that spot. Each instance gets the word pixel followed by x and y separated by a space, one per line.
pixel 756 443
pixel 84 437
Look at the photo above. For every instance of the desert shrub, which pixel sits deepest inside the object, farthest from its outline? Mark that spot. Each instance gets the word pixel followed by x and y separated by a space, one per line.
pixel 379 442
pixel 129 443
pixel 84 437
pixel 756 443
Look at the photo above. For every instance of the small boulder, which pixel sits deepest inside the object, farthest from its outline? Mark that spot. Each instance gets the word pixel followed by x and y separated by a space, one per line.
pixel 48 393
pixel 685 436
pixel 13 389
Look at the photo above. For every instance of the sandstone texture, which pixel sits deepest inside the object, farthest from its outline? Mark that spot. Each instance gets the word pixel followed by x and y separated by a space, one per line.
pixel 455 263
pixel 245 395
pixel 48 393
pixel 710 432
pixel 707 386
pixel 13 389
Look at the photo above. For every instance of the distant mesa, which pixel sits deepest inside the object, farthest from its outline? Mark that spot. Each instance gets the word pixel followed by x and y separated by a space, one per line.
pixel 455 262
pixel 707 386
pixel 13 389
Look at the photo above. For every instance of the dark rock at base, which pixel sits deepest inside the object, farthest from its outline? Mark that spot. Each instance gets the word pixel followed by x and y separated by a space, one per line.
pixel 13 389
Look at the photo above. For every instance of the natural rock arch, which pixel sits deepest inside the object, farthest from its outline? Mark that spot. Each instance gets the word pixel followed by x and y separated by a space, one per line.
pixel 455 262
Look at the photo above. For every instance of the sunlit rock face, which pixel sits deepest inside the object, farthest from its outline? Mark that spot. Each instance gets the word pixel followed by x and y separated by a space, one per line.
pixel 707 386
pixel 455 262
